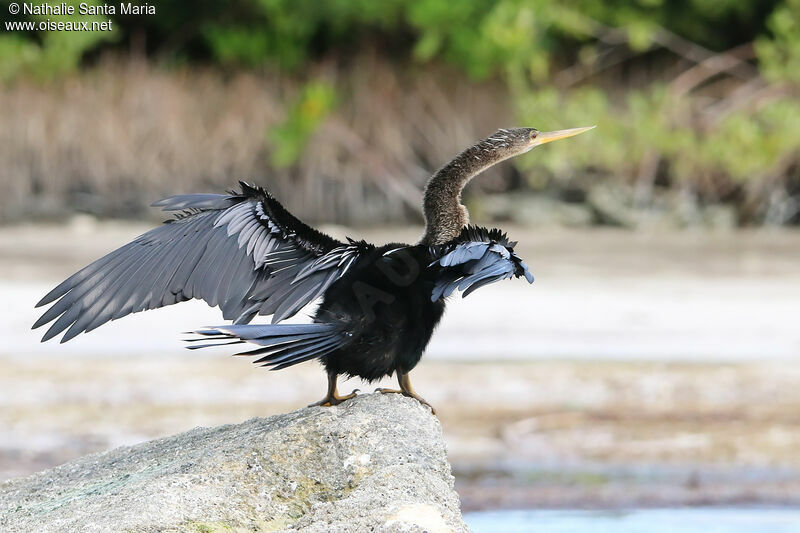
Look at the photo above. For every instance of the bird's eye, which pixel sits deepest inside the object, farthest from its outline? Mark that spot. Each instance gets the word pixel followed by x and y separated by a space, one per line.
pixel 534 133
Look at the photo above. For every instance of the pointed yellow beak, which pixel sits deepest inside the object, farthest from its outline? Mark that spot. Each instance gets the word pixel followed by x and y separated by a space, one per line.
pixel 544 137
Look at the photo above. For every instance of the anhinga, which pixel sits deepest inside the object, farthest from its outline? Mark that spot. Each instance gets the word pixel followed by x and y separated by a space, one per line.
pixel 248 255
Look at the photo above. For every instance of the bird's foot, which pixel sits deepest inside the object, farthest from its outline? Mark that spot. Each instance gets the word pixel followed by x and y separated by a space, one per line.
pixel 334 399
pixel 410 394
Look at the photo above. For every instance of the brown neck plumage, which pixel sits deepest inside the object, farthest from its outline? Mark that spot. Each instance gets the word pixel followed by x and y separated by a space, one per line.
pixel 444 215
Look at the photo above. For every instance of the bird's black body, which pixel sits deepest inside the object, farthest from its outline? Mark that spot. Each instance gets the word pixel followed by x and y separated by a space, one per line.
pixel 384 301
pixel 245 253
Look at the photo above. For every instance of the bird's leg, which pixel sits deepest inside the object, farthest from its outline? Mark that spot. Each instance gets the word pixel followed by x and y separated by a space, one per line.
pixel 333 398
pixel 406 390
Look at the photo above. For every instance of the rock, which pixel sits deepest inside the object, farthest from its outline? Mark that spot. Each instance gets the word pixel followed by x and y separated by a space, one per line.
pixel 375 463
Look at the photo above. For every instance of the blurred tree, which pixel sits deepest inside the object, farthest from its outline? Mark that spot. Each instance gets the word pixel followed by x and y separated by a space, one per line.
pixel 46 54
pixel 699 95
pixel 289 138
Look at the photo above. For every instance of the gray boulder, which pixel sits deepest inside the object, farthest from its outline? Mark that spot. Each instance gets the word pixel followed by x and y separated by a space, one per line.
pixel 374 463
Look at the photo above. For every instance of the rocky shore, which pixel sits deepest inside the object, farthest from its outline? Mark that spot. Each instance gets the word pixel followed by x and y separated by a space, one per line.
pixel 376 463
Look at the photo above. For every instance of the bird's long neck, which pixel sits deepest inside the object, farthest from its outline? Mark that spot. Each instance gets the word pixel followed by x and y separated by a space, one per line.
pixel 445 217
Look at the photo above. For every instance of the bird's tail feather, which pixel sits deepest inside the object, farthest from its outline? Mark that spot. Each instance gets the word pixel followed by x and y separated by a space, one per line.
pixel 284 345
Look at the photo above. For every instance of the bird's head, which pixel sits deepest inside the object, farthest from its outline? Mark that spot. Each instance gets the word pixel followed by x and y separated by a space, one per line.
pixel 445 216
pixel 515 141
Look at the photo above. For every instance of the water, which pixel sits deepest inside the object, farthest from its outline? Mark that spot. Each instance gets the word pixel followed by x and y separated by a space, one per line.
pixel 685 520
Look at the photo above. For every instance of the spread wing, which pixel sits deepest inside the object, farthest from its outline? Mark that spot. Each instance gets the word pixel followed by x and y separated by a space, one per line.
pixel 475 258
pixel 243 252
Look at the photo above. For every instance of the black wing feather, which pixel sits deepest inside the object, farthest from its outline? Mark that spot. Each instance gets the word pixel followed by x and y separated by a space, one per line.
pixel 242 252
pixel 284 344
pixel 477 257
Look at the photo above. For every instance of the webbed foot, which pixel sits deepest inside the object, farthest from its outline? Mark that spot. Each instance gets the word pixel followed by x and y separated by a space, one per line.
pixel 406 390
pixel 334 399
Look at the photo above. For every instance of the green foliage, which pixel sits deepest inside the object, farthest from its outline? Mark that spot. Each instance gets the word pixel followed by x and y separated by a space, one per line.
pixel 780 53
pixel 742 146
pixel 756 145
pixel 289 138
pixel 485 38
pixel 16 55
pixel 710 132
pixel 52 53
pixel 283 32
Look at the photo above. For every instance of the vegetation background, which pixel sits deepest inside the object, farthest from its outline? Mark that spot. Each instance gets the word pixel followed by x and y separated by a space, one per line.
pixel 344 107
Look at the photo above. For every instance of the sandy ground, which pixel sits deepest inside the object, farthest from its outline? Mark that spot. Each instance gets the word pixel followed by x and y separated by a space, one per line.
pixel 638 369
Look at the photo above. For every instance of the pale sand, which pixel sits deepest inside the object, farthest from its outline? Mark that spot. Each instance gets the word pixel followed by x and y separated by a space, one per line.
pixel 638 368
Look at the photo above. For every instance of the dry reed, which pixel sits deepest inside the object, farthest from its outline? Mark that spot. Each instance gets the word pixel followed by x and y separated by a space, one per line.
pixel 115 138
